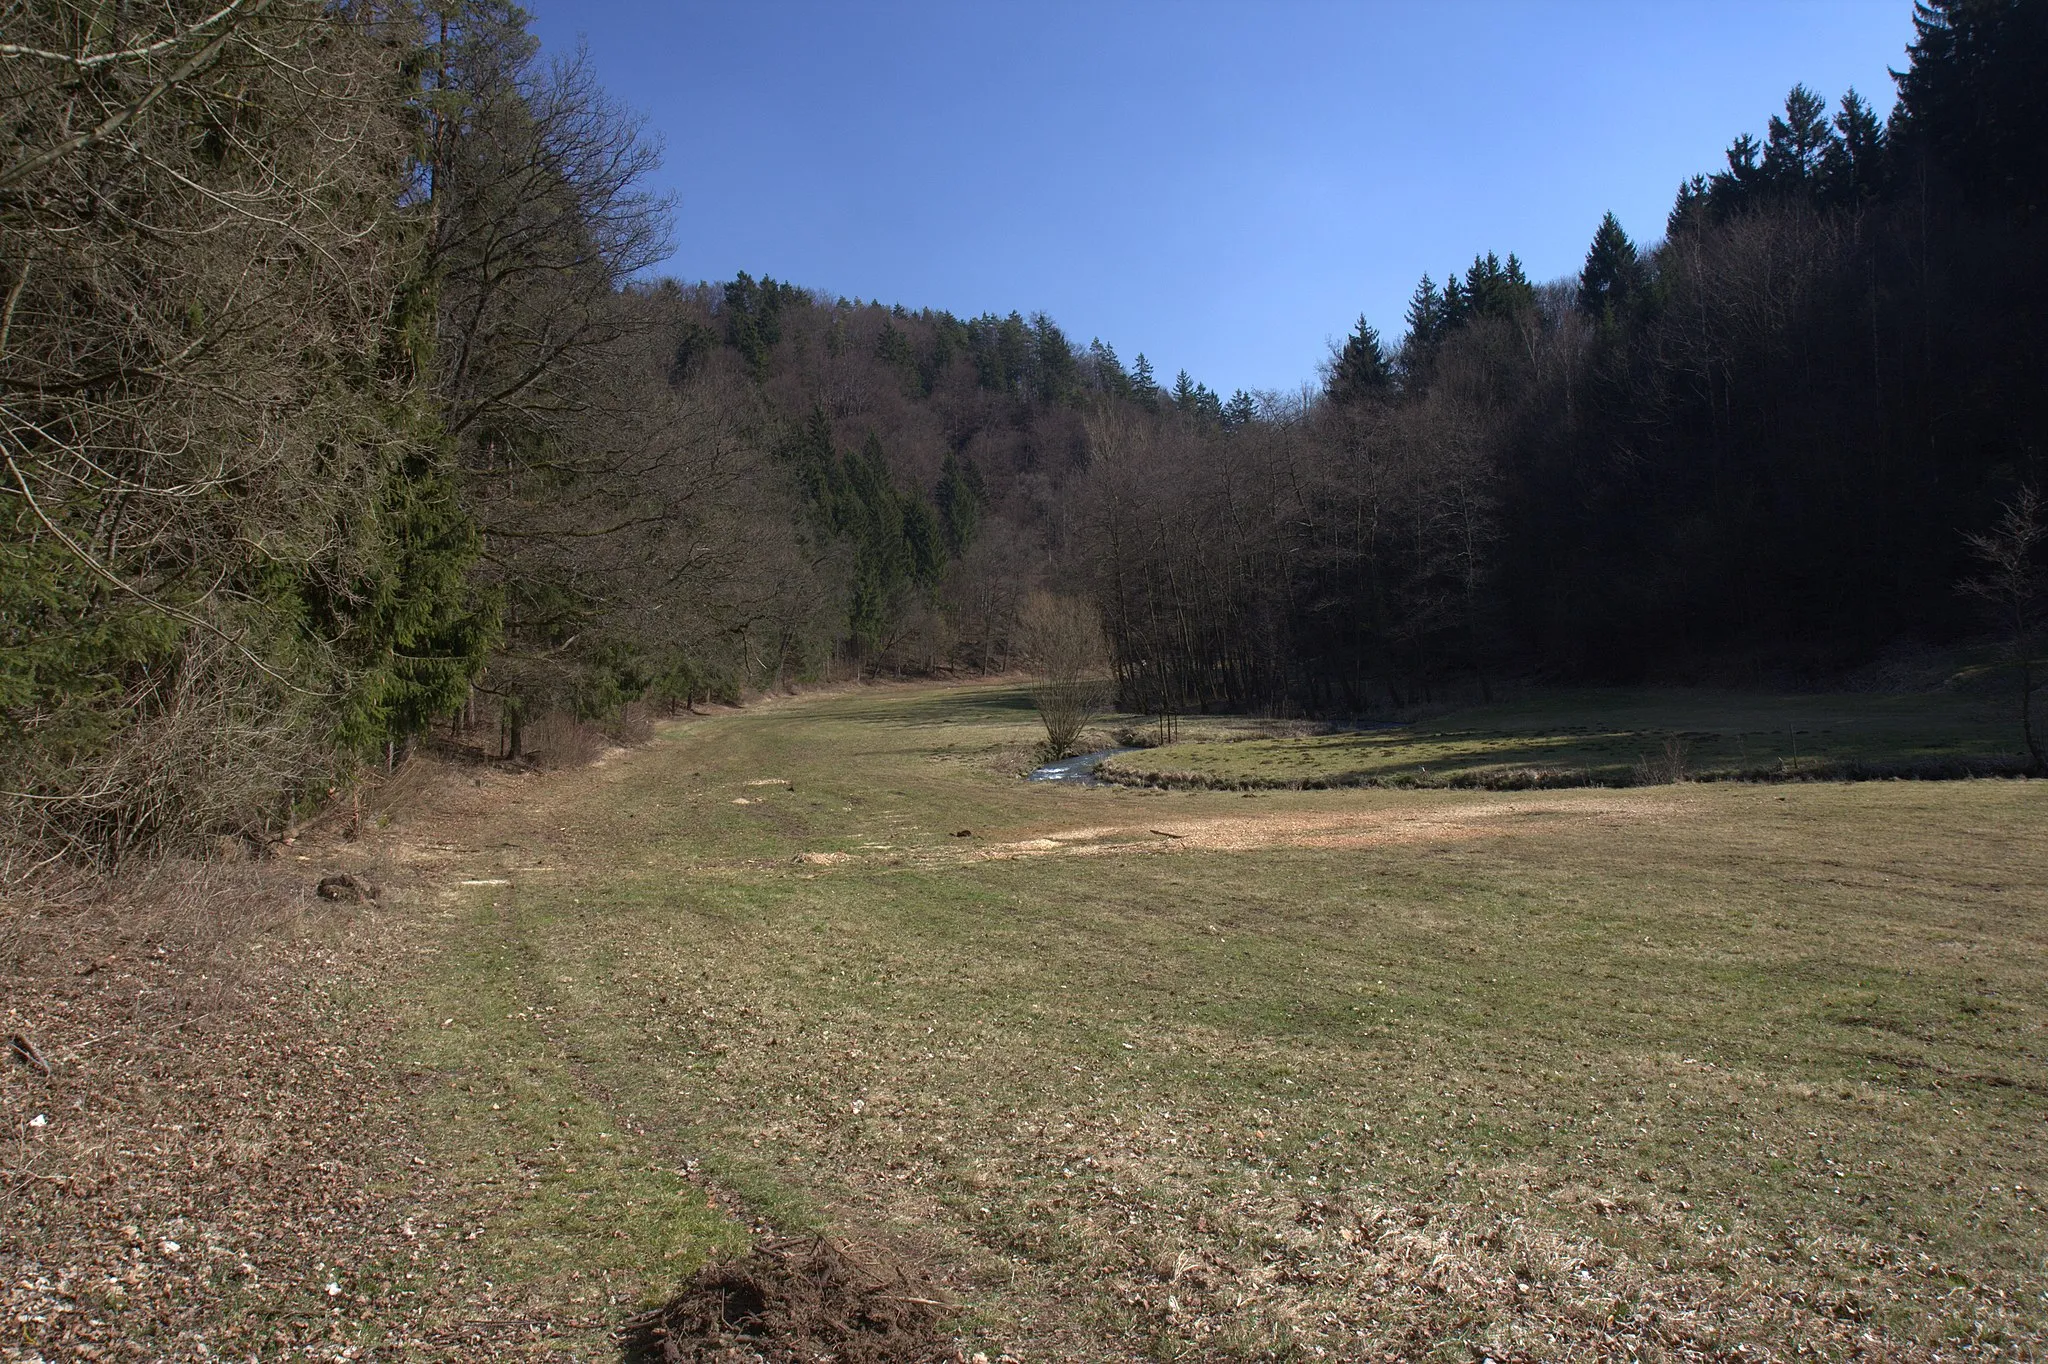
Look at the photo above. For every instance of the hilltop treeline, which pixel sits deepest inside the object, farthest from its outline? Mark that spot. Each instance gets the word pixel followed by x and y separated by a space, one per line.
pixel 339 409
pixel 1748 452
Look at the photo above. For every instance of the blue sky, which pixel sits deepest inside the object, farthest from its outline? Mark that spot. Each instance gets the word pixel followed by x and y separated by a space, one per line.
pixel 1224 187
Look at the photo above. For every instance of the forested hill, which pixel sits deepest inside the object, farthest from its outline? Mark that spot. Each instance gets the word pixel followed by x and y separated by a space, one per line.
pixel 934 460
pixel 341 407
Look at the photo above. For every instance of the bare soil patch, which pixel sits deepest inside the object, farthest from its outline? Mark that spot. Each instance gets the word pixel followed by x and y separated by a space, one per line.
pixel 1415 822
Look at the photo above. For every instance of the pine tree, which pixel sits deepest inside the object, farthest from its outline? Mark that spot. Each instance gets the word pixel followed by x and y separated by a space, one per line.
pixel 1689 207
pixel 1143 387
pixel 1106 372
pixel 958 499
pixel 1857 165
pixel 1359 369
pixel 1797 145
pixel 1425 318
pixel 1612 271
pixel 1974 95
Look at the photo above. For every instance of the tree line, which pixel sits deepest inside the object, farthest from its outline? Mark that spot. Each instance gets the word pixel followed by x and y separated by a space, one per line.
pixel 341 408
pixel 1753 451
pixel 327 407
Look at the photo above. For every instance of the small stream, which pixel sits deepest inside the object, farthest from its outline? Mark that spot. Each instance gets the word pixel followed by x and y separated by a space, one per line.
pixel 1078 770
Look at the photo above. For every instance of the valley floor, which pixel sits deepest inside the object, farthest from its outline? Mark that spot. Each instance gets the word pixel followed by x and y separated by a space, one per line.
pixel 1683 1071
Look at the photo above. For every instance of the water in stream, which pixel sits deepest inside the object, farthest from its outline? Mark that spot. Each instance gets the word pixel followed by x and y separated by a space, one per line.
pixel 1078 770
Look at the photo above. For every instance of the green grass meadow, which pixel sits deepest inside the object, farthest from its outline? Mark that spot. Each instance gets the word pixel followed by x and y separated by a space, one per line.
pixel 1658 1072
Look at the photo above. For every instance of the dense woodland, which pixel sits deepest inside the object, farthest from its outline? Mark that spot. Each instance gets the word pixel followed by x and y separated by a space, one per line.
pixel 341 409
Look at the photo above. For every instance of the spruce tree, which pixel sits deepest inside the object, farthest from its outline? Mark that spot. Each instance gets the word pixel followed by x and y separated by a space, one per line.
pixel 1359 369
pixel 1974 96
pixel 753 320
pixel 1014 352
pixel 1425 312
pixel 1688 207
pixel 1456 308
pixel 1107 372
pixel 819 474
pixel 1425 318
pixel 882 557
pixel 1055 374
pixel 1143 387
pixel 1798 143
pixel 1496 290
pixel 923 539
pixel 1611 273
pixel 1731 190
pixel 1857 163
pixel 958 501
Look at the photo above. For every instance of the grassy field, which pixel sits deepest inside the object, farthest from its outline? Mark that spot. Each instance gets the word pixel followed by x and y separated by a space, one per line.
pixel 1614 738
pixel 1658 1072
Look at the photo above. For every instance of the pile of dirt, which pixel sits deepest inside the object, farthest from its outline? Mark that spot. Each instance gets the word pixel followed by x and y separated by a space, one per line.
pixel 791 1302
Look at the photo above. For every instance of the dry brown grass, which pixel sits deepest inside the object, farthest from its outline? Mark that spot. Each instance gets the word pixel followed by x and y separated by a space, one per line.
pixel 1696 1072
pixel 202 1141
pixel 1595 1074
pixel 221 1134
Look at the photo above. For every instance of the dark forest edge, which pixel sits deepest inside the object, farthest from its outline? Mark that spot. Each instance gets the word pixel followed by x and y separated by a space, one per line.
pixel 341 414
pixel 1553 738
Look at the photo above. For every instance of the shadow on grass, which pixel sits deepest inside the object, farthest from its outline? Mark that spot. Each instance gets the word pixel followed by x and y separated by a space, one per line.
pixel 990 705
pixel 1619 738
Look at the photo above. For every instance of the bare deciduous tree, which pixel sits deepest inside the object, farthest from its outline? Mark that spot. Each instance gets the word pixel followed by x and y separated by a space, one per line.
pixel 1063 642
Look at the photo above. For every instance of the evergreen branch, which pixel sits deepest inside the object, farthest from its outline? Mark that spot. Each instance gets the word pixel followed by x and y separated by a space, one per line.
pixel 100 570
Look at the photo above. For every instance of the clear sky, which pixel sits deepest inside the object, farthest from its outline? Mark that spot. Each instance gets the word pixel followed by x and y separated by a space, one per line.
pixel 1224 187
